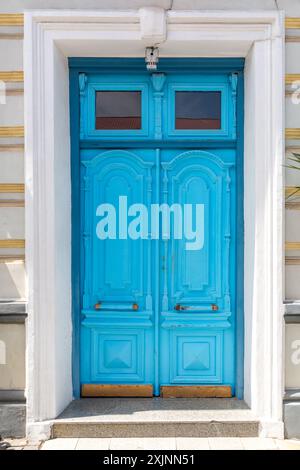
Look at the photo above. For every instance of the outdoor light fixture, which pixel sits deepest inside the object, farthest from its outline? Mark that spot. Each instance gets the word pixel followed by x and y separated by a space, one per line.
pixel 151 58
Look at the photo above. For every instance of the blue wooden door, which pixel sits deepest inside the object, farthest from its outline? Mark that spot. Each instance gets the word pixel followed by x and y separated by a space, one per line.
pixel 158 230
pixel 117 324
pixel 198 270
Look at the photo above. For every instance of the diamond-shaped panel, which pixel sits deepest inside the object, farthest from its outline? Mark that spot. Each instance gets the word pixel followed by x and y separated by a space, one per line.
pixel 117 354
pixel 196 356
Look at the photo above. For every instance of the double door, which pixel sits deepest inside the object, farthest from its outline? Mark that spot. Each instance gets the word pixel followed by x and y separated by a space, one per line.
pixel 158 236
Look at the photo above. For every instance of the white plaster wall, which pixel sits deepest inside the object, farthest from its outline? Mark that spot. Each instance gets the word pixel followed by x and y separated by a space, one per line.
pixel 292 225
pixel 12 169
pixel 12 285
pixel 291 7
pixel 12 361
pixel 11 54
pixel 292 280
pixel 12 112
pixel 292 177
pixel 12 223
pixel 293 109
pixel 292 354
pixel 292 51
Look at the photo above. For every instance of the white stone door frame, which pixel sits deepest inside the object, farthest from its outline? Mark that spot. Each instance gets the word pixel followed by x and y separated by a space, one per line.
pixel 53 36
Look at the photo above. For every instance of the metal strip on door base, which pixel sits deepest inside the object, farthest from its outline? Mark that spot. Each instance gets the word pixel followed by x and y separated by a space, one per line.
pixel 196 391
pixel 112 390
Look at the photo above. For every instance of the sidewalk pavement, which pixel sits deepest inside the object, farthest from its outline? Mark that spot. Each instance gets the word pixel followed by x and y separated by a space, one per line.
pixel 178 443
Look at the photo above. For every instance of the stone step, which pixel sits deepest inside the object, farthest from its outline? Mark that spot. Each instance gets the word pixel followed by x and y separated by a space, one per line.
pixel 157 417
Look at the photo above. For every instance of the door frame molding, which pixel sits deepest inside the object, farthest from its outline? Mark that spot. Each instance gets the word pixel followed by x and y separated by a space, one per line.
pixel 50 38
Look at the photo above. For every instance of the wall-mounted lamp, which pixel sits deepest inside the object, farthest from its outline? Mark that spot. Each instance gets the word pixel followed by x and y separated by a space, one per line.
pixel 151 58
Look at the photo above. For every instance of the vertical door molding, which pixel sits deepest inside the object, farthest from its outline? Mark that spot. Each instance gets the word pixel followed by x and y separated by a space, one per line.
pixel 165 297
pixel 227 238
pixel 149 299
pixel 233 78
pixel 158 81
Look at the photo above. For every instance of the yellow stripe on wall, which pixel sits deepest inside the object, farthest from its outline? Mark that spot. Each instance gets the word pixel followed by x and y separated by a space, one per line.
pixel 17 19
pixel 291 77
pixel 292 39
pixel 11 188
pixel 292 133
pixel 15 203
pixel 292 261
pixel 12 259
pixel 11 19
pixel 292 23
pixel 292 245
pixel 15 131
pixel 289 190
pixel 12 76
pixel 12 148
pixel 10 243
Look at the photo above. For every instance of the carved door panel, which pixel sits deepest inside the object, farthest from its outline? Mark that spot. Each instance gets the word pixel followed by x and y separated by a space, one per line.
pixel 117 313
pixel 198 281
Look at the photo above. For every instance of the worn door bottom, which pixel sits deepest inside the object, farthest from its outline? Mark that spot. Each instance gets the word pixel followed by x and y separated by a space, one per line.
pixel 166 391
pixel 196 391
pixel 112 390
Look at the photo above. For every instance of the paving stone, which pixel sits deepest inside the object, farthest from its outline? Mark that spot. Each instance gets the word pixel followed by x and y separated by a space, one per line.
pixel 165 443
pixel 4 445
pixel 15 442
pixel 288 444
pixel 14 448
pixel 92 444
pixel 258 443
pixel 230 443
pixel 148 443
pixel 68 443
pixel 12 419
pixel 192 443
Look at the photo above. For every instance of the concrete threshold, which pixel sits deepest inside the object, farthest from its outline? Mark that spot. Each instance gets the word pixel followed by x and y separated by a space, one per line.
pixel 156 417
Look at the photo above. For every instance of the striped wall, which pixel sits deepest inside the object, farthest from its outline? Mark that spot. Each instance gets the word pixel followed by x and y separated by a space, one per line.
pixel 12 242
pixel 292 134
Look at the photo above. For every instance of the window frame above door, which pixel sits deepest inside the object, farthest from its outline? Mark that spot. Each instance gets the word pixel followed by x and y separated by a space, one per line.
pixel 88 129
pixel 106 74
pixel 224 132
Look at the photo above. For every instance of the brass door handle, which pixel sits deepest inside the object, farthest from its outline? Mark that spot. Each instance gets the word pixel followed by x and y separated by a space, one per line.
pixel 115 306
pixel 180 307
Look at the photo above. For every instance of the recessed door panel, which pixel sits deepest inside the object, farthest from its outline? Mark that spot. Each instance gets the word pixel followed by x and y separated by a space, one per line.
pixel 196 357
pixel 200 182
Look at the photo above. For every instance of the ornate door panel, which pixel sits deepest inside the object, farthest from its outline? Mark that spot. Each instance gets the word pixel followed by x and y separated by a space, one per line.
pixel 117 324
pixel 198 289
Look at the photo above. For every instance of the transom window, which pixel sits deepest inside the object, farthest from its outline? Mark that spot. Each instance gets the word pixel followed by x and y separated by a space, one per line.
pixel 197 110
pixel 118 110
